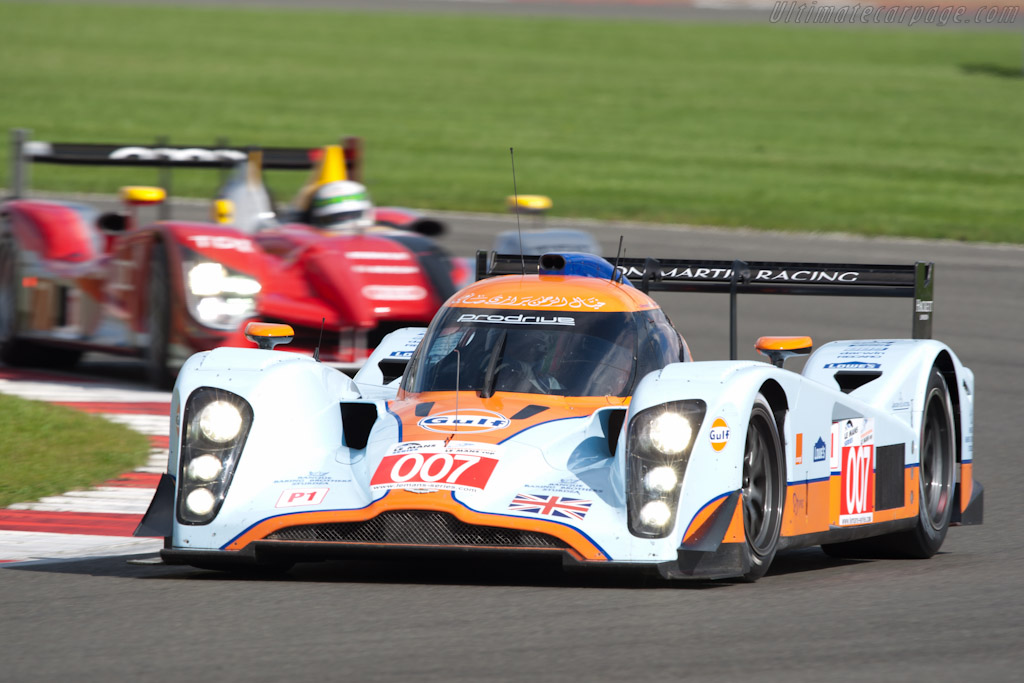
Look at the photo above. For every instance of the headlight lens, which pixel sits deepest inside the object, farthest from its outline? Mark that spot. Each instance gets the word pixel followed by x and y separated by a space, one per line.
pixel 661 479
pixel 217 296
pixel 200 502
pixel 216 426
pixel 656 513
pixel 205 468
pixel 220 421
pixel 670 433
pixel 207 279
pixel 657 451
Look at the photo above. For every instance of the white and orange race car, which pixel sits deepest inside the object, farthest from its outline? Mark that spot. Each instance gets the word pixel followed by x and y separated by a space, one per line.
pixel 553 410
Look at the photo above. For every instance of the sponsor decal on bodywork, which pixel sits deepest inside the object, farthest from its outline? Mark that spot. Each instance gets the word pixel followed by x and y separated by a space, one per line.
pixel 852 365
pixel 435 466
pixel 511 300
pixel 313 479
pixel 553 506
pixel 177 154
pixel 820 450
pixel 300 497
pixel 517 319
pixel 865 349
pixel 719 434
pixel 222 242
pixel 856 464
pixel 394 292
pixel 761 275
pixel 570 485
pixel 472 421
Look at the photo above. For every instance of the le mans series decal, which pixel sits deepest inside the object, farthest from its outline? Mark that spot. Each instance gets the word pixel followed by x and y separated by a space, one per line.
pixel 853 456
pixel 551 506
pixel 422 466
pixel 719 434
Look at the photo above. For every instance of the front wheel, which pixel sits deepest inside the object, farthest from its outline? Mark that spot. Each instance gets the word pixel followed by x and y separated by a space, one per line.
pixel 764 488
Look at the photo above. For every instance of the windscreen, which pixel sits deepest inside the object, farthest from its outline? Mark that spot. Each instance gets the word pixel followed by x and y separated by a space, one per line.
pixel 536 352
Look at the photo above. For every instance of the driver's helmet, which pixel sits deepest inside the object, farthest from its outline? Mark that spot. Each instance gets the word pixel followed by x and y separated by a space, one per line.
pixel 341 205
pixel 529 346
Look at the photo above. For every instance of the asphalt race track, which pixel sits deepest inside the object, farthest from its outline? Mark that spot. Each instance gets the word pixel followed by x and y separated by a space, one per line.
pixel 955 617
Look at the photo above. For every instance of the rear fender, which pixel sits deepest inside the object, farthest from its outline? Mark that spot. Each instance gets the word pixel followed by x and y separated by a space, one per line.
pixel 902 368
pixel 387 363
pixel 63 235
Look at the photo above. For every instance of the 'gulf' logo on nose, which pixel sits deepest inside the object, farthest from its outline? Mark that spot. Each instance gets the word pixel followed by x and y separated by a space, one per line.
pixel 465 422
pixel 719 434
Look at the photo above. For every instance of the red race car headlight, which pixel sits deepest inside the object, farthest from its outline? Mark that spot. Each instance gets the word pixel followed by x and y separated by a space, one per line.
pixel 217 424
pixel 217 296
pixel 657 451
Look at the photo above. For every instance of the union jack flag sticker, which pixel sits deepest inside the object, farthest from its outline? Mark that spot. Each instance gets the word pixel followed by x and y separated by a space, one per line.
pixel 554 506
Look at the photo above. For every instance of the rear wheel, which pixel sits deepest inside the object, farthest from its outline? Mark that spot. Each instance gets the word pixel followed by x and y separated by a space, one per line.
pixel 158 307
pixel 764 488
pixel 936 474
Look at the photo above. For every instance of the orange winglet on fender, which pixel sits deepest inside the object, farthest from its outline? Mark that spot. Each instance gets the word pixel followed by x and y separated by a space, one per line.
pixel 269 335
pixel 778 349
pixel 735 533
pixel 579 546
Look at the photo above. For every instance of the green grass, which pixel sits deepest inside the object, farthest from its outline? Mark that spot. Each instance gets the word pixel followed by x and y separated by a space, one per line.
pixel 881 132
pixel 47 450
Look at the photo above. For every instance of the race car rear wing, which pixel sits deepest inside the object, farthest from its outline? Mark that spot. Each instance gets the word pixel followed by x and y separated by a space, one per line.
pixel 164 156
pixel 915 281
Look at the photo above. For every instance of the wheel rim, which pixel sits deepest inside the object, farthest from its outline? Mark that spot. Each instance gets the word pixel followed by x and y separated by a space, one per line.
pixel 761 495
pixel 936 468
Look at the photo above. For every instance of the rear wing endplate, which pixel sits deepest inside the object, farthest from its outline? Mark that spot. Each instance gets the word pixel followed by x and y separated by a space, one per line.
pixel 915 281
pixel 164 156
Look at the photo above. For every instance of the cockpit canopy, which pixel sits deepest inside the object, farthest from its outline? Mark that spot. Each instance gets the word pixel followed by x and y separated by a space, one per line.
pixel 565 353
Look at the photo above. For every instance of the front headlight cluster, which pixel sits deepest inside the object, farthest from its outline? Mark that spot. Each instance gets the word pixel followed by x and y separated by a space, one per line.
pixel 657 451
pixel 218 296
pixel 217 423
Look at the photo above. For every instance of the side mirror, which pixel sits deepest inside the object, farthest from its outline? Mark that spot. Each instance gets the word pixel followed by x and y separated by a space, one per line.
pixel 778 349
pixel 268 335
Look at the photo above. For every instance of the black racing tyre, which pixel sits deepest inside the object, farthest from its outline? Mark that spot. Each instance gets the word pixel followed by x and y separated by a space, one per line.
pixel 13 351
pixel 158 315
pixel 263 570
pixel 937 476
pixel 764 488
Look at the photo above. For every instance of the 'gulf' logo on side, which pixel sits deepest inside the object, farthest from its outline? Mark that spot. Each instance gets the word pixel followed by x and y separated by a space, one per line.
pixel 719 434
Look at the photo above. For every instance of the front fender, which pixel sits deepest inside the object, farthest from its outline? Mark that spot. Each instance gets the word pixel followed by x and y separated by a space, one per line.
pixel 715 467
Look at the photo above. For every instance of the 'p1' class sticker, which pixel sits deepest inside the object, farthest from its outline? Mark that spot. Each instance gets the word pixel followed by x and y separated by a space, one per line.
pixel 291 498
pixel 719 435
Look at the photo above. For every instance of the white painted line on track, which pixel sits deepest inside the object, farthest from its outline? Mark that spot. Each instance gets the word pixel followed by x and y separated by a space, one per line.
pixel 21 546
pixel 76 504
pixel 80 392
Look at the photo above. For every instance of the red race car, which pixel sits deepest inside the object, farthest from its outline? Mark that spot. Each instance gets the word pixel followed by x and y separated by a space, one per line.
pixel 73 279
